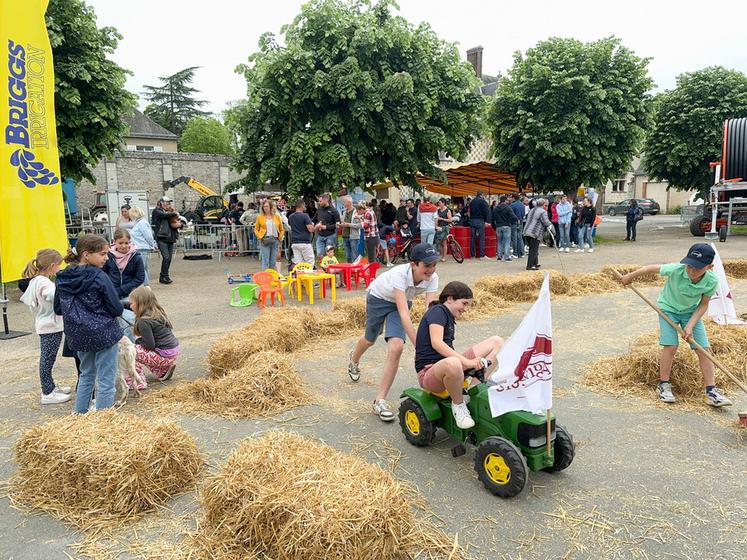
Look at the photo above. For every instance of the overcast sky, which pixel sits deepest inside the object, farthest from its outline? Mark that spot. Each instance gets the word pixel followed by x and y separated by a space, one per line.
pixel 164 36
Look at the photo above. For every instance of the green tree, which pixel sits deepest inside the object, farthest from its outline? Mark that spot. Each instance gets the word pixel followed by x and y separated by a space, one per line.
pixel 173 103
pixel 571 113
pixel 90 98
pixel 357 95
pixel 206 136
pixel 688 126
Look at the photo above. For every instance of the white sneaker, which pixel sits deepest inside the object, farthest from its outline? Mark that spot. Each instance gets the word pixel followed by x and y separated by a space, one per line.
pixel 383 411
pixel 484 258
pixel 586 245
pixel 354 370
pixel 55 397
pixel 389 264
pixel 567 250
pixel 578 251
pixel 65 389
pixel 462 416
pixel 591 250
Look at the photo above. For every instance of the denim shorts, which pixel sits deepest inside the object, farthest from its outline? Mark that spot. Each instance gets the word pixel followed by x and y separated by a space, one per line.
pixel 668 336
pixel 380 312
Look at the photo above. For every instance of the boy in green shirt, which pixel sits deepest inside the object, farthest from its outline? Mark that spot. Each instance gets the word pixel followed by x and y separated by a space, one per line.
pixel 684 299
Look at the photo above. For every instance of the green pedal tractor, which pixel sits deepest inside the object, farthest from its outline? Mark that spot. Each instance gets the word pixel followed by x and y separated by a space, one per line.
pixel 507 446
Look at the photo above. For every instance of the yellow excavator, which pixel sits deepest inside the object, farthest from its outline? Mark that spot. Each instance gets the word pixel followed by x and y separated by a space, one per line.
pixel 211 204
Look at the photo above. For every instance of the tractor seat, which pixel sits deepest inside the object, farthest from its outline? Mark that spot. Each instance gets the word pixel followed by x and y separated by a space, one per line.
pixel 445 394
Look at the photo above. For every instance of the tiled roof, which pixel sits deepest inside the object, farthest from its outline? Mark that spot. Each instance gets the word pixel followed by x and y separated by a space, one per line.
pixel 142 126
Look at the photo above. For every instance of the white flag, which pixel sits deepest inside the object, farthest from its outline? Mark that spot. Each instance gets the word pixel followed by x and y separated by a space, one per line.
pixel 524 375
pixel 721 307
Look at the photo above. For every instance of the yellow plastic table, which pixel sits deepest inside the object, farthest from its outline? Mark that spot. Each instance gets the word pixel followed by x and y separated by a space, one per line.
pixel 308 279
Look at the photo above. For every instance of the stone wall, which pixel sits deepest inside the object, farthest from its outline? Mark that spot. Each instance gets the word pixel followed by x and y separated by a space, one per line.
pixel 148 170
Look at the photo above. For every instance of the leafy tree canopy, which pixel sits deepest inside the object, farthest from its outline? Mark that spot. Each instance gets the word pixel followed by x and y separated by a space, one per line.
pixel 173 103
pixel 357 95
pixel 571 113
pixel 206 136
pixel 90 99
pixel 688 126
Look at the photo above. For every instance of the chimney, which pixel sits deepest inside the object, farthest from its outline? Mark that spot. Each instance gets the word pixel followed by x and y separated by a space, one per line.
pixel 474 57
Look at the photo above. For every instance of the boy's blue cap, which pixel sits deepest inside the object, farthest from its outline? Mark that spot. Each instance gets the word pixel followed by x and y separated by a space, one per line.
pixel 699 255
pixel 424 252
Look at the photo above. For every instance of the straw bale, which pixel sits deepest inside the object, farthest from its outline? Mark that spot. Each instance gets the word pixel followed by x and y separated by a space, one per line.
pixel 283 329
pixel 583 284
pixel 638 370
pixel 736 268
pixel 265 385
pixel 485 305
pixel 346 317
pixel 99 469
pixel 524 287
pixel 649 279
pixel 287 497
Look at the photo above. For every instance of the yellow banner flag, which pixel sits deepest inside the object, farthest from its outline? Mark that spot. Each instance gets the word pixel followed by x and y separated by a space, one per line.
pixel 32 214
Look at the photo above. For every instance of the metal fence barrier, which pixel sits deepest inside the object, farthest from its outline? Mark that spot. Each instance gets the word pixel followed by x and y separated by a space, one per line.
pixel 218 240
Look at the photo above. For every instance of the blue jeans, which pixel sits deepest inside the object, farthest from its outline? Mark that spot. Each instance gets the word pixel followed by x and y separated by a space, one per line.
pixel 427 236
pixel 323 242
pixel 504 242
pixel 268 254
pixel 477 230
pixel 127 321
pixel 565 230
pixel 574 233
pixel 98 366
pixel 351 248
pixel 145 255
pixel 584 236
pixel 517 241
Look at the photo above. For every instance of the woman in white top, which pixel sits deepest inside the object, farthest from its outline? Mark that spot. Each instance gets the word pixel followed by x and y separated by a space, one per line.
pixel 124 221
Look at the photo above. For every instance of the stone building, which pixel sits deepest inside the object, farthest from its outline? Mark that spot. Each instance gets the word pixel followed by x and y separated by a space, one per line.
pixel 149 158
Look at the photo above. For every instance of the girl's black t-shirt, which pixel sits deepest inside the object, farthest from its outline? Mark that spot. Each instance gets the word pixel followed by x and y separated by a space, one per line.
pixel 437 314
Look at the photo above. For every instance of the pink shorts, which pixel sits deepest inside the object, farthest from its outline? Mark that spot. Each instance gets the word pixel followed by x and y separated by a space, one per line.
pixel 432 383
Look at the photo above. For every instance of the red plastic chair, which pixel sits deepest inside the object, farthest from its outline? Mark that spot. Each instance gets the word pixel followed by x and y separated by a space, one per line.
pixel 268 286
pixel 366 273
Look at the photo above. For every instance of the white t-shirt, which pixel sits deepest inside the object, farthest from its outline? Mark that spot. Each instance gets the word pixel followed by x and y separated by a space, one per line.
pixel 400 277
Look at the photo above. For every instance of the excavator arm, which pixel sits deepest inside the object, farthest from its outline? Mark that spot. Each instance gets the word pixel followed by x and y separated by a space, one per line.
pixel 192 183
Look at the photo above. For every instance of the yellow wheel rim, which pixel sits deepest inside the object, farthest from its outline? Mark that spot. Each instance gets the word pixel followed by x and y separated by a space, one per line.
pixel 412 422
pixel 496 468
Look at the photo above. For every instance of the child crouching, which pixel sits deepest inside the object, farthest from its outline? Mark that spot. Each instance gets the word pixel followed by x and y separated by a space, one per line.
pixel 156 346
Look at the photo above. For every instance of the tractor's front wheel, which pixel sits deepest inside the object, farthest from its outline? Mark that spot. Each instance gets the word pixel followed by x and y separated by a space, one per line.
pixel 563 451
pixel 501 467
pixel 418 430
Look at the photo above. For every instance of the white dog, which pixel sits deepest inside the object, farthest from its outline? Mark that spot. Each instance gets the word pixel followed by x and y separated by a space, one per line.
pixel 126 368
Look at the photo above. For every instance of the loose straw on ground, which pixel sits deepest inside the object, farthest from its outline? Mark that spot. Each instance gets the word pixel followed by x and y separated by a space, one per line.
pixel 637 372
pixel 101 468
pixel 286 496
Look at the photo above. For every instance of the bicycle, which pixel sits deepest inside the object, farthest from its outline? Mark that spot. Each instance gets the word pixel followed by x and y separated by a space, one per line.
pixel 398 248
pixel 454 248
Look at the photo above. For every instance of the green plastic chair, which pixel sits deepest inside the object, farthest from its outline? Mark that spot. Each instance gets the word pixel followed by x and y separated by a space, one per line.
pixel 247 294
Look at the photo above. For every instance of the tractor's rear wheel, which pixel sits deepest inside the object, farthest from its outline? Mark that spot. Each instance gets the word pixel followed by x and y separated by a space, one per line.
pixel 418 430
pixel 501 467
pixel 563 450
pixel 696 226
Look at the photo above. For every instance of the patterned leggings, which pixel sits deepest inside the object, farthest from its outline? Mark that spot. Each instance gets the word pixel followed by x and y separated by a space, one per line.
pixel 49 344
pixel 156 363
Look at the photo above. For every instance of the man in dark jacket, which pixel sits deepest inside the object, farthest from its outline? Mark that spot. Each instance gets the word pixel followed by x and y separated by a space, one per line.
pixel 161 218
pixel 479 213
pixel 502 220
pixel 517 241
pixel 326 228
